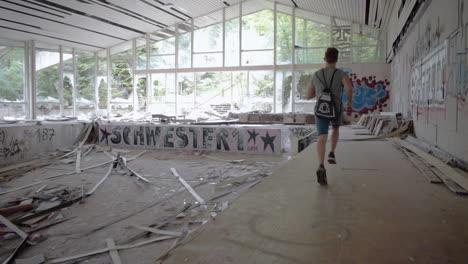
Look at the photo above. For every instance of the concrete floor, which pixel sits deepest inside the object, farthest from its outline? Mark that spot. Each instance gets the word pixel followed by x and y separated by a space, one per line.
pixel 377 208
pixel 121 195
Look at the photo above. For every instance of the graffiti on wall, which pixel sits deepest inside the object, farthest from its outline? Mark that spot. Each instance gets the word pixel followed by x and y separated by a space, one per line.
pixel 369 94
pixel 301 132
pixel 427 84
pixel 341 39
pixel 248 140
pixel 14 144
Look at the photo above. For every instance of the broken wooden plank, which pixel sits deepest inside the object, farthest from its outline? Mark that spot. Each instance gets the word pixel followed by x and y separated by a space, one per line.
pixel 109 171
pixel 14 228
pixel 160 224
pixel 40 189
pixel 157 231
pixel 50 210
pixel 15 209
pixel 104 250
pixel 12 256
pixel 444 168
pixel 114 254
pixel 420 165
pixel 184 233
pixel 229 161
pixel 451 185
pixel 188 187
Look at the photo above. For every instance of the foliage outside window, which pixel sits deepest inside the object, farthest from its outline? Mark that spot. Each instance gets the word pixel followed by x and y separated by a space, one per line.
pixel 122 76
pixel 366 49
pixel 162 53
pixel 312 39
pixel 102 79
pixel 47 82
pixel 12 81
pixel 258 38
pixel 85 82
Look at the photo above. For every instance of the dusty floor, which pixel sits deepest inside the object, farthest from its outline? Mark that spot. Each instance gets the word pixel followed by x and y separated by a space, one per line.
pixel 122 195
pixel 377 208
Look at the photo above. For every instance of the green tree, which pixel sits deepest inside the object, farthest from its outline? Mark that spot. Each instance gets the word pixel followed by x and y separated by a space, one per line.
pixel 11 74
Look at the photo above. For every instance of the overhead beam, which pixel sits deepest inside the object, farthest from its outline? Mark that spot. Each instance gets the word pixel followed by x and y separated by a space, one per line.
pixel 43 35
pixel 60 22
pixel 78 12
pixel 32 8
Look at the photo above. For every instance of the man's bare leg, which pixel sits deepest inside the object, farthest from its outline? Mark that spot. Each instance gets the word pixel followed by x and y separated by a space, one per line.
pixel 334 138
pixel 321 148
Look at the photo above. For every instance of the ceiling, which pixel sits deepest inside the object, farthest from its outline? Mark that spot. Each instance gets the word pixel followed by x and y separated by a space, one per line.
pixel 96 24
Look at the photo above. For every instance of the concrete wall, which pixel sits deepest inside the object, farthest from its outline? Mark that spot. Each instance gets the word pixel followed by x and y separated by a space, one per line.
pixel 430 76
pixel 245 139
pixel 23 142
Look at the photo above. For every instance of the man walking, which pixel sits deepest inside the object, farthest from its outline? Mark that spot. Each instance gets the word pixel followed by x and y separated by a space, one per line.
pixel 334 79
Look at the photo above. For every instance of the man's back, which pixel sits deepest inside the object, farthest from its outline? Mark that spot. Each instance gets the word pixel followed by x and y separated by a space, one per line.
pixel 336 86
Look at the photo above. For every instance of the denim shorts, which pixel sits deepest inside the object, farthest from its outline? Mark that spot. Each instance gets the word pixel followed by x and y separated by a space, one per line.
pixel 322 125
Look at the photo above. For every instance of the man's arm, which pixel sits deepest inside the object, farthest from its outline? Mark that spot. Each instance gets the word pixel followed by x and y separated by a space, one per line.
pixel 349 93
pixel 311 91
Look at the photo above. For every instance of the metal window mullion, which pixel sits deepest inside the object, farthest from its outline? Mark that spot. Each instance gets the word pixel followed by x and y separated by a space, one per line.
pixel 26 80
pixel 176 65
pixel 60 83
pixel 136 106
pixel 224 37
pixel 240 34
pixel 32 81
pixel 149 94
pixel 74 91
pixel 96 85
pixel 275 47
pixel 191 44
pixel 293 85
pixel 109 81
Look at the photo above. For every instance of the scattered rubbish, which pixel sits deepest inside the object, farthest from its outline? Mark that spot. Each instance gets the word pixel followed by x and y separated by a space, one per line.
pixel 453 178
pixel 230 161
pixel 188 187
pixel 114 254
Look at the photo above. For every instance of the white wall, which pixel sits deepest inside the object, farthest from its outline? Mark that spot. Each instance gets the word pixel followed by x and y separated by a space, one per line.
pixel 430 73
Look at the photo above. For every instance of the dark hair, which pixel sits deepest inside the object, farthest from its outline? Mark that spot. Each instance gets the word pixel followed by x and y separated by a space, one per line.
pixel 331 55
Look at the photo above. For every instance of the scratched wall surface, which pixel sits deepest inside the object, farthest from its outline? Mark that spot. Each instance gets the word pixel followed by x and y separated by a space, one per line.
pixel 23 142
pixel 430 76
pixel 212 138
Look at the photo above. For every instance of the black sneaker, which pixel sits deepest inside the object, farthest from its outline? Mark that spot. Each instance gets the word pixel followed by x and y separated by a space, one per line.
pixel 331 158
pixel 322 175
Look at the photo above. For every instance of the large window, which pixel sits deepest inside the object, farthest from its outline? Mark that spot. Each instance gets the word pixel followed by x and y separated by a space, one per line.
pixel 208 41
pixel 12 81
pixel 284 29
pixel 47 81
pixel 255 55
pixel 367 44
pixel 257 36
pixel 312 39
pixel 162 49
pixel 85 92
pixel 122 78
pixel 163 93
pixel 102 79
pixel 232 45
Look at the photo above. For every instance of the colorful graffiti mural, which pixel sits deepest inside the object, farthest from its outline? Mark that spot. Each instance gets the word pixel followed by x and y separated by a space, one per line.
pixel 247 140
pixel 369 94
